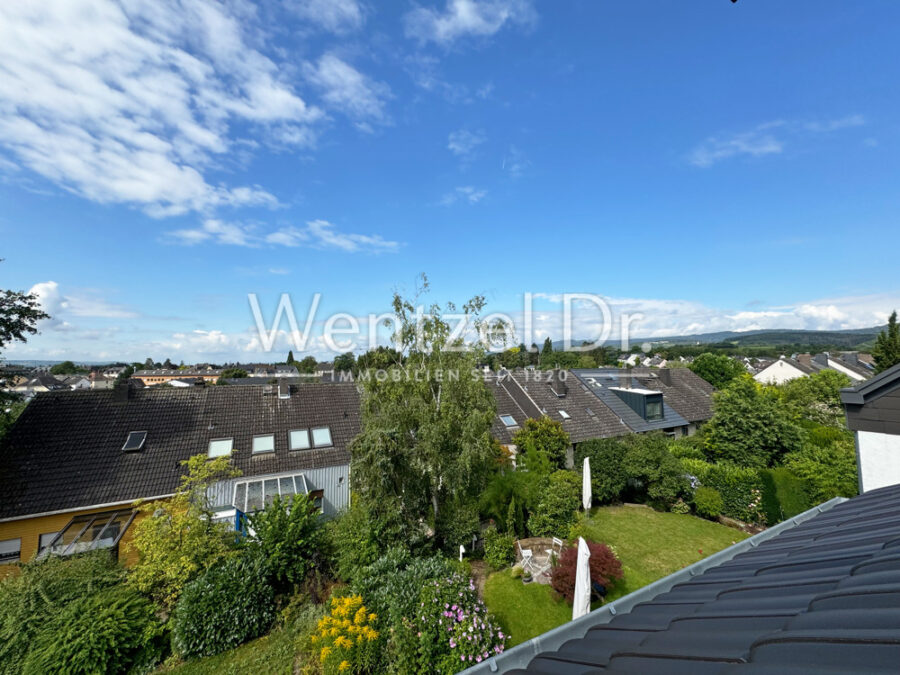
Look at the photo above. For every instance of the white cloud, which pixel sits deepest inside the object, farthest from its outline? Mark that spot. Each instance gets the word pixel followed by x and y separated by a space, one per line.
pixel 463 142
pixel 347 90
pixel 133 102
pixel 465 193
pixel 315 234
pixel 337 16
pixel 62 307
pixel 765 139
pixel 515 162
pixel 464 18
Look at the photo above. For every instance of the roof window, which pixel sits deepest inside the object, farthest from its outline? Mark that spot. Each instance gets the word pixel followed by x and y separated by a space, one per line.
pixel 135 441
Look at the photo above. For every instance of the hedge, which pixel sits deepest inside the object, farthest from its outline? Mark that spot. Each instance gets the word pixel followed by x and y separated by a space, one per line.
pixel 784 494
pixel 741 487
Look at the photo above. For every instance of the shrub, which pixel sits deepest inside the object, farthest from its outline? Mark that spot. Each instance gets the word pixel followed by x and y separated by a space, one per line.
pixel 555 512
pixel 652 471
pixel 458 522
pixel 690 447
pixel 499 549
pixel 708 502
pixel 43 589
pixel 784 494
pixel 681 506
pixel 449 631
pixel 604 566
pixel 608 477
pixel 740 487
pixel 508 496
pixel 545 435
pixel 288 534
pixel 353 537
pixel 392 584
pixel 829 471
pixel 226 606
pixel 346 639
pixel 106 632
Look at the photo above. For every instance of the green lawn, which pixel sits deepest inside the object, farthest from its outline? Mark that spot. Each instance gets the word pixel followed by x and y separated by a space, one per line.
pixel 649 544
pixel 273 653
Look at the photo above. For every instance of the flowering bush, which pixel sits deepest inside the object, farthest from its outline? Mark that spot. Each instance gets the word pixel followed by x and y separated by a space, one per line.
pixel 604 565
pixel 451 630
pixel 346 640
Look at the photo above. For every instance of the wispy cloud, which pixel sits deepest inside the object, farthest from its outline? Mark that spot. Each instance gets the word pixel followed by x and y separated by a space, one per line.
pixel 515 162
pixel 466 194
pixel 337 16
pixel 134 106
pixel 348 91
pixel 319 234
pixel 466 18
pixel 769 138
pixel 463 142
pixel 62 307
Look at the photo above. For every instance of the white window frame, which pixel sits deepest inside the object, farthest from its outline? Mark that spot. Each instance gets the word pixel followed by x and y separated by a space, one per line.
pixel 507 424
pixel 305 433
pixel 312 433
pixel 16 547
pixel 265 450
pixel 565 415
pixel 209 450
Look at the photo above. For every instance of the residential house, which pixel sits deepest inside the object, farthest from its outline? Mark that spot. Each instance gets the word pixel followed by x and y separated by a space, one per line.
pixel 873 414
pixel 76 382
pixel 162 375
pixel 783 370
pixel 39 383
pixel 74 463
pixel 818 593
pixel 600 403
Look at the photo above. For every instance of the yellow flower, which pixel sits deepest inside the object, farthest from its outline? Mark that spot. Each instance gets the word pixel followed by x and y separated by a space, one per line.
pixel 324 653
pixel 345 665
pixel 372 618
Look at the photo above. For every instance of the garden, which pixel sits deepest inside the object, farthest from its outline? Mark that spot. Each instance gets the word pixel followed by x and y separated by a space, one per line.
pixel 381 587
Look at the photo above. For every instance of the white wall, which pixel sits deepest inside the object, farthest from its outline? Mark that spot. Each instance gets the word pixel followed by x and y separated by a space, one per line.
pixel 778 373
pixel 879 459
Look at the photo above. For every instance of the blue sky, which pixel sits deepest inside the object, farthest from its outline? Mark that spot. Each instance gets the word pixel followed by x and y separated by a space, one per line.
pixel 708 165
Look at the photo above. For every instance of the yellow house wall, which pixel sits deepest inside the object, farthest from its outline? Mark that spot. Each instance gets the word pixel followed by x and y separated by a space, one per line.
pixel 29 531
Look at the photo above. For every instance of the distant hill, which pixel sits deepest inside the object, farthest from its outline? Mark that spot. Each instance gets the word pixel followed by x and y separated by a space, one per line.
pixel 847 339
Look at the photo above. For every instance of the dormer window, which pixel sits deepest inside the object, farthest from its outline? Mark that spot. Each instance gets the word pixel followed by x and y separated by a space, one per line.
pixel 648 403
pixel 135 441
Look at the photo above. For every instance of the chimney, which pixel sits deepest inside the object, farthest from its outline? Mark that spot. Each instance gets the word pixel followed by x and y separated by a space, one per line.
pixel 558 383
pixel 625 381
pixel 665 376
pixel 284 389
pixel 121 392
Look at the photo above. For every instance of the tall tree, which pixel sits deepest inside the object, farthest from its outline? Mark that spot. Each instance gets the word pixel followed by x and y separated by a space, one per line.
pixel 887 345
pixel 717 369
pixel 547 349
pixel 344 362
pixel 290 358
pixel 545 435
pixel 307 364
pixel 425 445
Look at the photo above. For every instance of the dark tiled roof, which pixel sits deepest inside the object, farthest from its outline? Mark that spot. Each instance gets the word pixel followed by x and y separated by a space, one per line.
pixel 820 596
pixel 65 451
pixel 688 393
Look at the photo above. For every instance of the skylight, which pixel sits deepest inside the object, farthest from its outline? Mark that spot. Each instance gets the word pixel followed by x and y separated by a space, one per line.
pixel 508 420
pixel 220 447
pixel 264 443
pixel 298 439
pixel 564 414
pixel 321 437
pixel 135 441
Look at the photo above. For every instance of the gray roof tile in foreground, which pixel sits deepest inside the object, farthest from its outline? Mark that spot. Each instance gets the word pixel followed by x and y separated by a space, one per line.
pixel 819 593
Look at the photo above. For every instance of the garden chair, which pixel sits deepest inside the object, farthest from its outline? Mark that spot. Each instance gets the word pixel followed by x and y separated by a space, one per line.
pixel 527 557
pixel 555 549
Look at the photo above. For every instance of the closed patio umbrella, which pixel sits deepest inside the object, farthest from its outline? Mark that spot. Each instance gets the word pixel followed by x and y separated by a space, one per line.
pixel 582 599
pixel 586 485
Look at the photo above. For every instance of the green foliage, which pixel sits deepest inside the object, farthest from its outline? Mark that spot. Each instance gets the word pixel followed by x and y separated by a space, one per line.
pixel 499 549
pixel 817 398
pixel 290 357
pixel 458 522
pixel 426 424
pixel 708 502
pixel 233 374
pixel 740 487
pixel 717 369
pixel 230 603
pixel 307 365
pixel 176 539
pixel 887 345
pixel 750 426
pixel 784 494
pixel 344 362
pixel 65 368
pixel 829 470
pixel 608 477
pixel 556 509
pixel 11 406
pixel 680 506
pixel 288 534
pixel 688 447
pixel 30 600
pixel 545 435
pixel 19 316
pixel 110 631
pixel 653 473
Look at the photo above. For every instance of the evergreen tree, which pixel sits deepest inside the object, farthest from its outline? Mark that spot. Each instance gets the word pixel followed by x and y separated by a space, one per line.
pixel 548 347
pixel 290 358
pixel 887 345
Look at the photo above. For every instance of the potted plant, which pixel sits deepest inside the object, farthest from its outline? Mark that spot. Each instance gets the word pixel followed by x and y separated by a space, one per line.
pixel 526 577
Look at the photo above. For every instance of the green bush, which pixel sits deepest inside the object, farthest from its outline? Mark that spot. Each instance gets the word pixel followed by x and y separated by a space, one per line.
pixel 653 473
pixel 288 535
pixel 829 471
pixel 226 606
pixel 499 549
pixel 353 538
pixel 608 477
pixel 555 512
pixel 708 502
pixel 458 523
pixel 112 631
pixel 544 435
pixel 740 488
pixel 680 506
pixel 784 494
pixel 43 589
